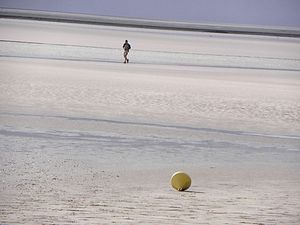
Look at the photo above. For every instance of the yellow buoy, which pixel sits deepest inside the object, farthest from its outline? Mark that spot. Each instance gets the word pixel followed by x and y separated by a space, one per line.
pixel 181 181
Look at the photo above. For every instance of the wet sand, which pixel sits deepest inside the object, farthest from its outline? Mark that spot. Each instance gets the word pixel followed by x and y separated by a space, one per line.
pixel 91 142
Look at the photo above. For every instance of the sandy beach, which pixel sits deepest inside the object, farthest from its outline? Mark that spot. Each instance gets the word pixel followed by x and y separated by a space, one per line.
pixel 86 139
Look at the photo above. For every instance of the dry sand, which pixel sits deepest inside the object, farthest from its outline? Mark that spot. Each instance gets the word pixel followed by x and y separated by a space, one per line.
pixel 85 142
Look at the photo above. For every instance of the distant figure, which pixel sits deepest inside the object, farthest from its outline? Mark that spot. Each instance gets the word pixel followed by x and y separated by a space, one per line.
pixel 126 47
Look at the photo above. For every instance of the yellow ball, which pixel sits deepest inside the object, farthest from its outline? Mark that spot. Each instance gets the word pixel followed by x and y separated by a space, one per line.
pixel 181 181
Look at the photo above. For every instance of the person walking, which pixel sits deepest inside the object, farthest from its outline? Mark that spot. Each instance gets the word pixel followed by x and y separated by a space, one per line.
pixel 126 47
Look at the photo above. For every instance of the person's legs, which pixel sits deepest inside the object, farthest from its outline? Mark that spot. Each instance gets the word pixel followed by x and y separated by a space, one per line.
pixel 125 57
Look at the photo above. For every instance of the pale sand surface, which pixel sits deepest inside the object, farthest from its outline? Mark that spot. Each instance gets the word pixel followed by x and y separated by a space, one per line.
pixel 98 145
pixel 85 142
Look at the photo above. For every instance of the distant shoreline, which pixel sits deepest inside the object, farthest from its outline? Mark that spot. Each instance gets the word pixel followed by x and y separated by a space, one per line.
pixel 148 24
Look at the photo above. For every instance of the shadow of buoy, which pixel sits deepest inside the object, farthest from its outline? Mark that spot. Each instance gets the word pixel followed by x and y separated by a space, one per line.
pixel 181 181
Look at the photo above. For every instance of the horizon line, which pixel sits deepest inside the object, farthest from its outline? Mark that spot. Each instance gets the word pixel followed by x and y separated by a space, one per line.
pixel 80 18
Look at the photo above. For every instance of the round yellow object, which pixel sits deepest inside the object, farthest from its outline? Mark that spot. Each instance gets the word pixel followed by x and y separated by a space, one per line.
pixel 181 181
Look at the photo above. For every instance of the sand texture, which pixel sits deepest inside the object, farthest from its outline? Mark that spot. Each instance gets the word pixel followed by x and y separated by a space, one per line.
pixel 86 139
